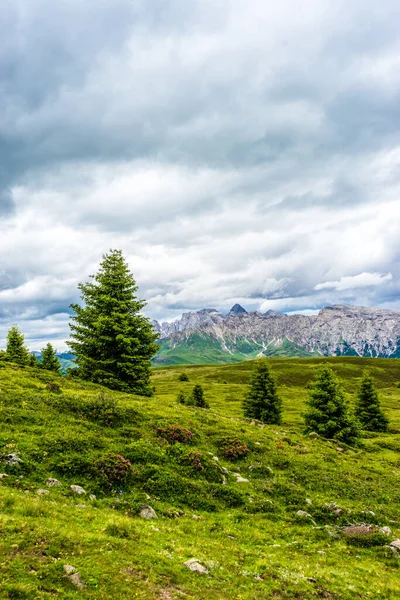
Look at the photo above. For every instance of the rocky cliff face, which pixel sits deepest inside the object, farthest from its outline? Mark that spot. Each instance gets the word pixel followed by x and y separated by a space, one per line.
pixel 336 330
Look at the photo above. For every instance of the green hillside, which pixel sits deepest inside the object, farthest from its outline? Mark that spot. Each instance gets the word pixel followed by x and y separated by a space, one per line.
pixel 248 534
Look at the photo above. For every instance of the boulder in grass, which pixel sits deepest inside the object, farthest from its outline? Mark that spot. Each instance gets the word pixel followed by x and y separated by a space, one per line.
pixel 51 482
pixel 77 489
pixel 146 512
pixel 194 565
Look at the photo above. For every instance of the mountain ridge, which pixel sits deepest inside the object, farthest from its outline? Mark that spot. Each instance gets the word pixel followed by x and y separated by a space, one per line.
pixel 337 330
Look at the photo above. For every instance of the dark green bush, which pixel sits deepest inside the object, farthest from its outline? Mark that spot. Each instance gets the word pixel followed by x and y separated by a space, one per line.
pixel 143 451
pixel 183 377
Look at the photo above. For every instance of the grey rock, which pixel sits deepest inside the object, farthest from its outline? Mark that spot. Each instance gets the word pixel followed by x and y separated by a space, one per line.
pixel 146 512
pixel 395 544
pixel 77 489
pixel 321 552
pixel 75 578
pixel 303 514
pixel 69 569
pixel 313 435
pixel 42 492
pixel 3 475
pixel 308 501
pixel 241 479
pixel 194 565
pixel 92 497
pixel 51 482
pixel 81 506
pixel 386 530
pixel 12 460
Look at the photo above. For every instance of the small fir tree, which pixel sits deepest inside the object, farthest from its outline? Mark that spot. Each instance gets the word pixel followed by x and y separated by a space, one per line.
pixel 368 410
pixel 33 361
pixel 15 349
pixel 181 398
pixel 198 398
pixel 329 413
pixel 262 401
pixel 50 362
pixel 112 341
pixel 183 377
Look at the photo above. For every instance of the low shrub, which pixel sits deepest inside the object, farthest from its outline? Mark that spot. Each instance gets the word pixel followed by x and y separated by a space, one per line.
pixel 233 449
pixel 183 377
pixel 112 470
pixel 175 433
pixel 200 465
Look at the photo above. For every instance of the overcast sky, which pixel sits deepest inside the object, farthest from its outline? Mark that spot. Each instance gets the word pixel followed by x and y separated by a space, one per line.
pixel 236 151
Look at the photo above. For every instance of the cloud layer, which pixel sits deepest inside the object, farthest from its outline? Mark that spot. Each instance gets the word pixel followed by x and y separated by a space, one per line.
pixel 233 154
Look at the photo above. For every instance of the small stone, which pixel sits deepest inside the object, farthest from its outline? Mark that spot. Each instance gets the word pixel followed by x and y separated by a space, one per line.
pixel 395 544
pixel 3 475
pixel 42 492
pixel 69 569
pixel 146 512
pixel 321 552
pixel 308 501
pixel 196 517
pixel 51 482
pixel 339 449
pixel 386 530
pixel 194 565
pixel 313 435
pixel 81 506
pixel 303 514
pixel 12 459
pixel 241 480
pixel 311 580
pixel 225 470
pixel 215 458
pixel 359 530
pixel 77 489
pixel 338 511
pixel 76 580
pixel 92 497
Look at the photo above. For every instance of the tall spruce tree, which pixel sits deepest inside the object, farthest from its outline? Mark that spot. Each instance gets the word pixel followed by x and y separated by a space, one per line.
pixel 112 341
pixel 50 362
pixel 262 401
pixel 15 348
pixel 329 412
pixel 368 410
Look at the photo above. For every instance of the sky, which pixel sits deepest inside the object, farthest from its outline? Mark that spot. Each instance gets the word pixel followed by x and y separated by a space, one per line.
pixel 234 151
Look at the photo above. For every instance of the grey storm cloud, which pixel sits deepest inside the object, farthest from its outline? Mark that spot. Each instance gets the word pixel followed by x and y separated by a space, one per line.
pixel 234 152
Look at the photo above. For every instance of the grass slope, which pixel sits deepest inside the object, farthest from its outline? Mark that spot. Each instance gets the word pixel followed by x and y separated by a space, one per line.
pixel 247 534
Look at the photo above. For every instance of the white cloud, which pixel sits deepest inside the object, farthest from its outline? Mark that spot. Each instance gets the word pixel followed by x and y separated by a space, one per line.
pixel 353 282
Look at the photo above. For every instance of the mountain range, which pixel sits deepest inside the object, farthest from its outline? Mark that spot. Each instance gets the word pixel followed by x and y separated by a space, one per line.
pixel 208 336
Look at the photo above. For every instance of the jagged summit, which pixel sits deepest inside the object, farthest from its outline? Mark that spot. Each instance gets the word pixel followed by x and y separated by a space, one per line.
pixel 237 310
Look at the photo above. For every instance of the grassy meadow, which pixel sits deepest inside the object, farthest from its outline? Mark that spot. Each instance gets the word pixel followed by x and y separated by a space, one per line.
pixel 248 534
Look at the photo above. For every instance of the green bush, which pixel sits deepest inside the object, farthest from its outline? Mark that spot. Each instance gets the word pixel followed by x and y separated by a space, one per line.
pixel 183 377
pixel 201 465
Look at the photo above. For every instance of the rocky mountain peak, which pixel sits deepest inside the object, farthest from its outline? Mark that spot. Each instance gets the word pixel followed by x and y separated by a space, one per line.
pixel 237 310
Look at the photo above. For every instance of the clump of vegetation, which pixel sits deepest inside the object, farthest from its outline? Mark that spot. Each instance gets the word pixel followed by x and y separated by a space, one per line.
pixel 113 470
pixel 183 377
pixel 329 412
pixel 53 387
pixel 50 362
pixel 233 449
pixel 262 401
pixel 175 433
pixel 368 410
pixel 112 341
pixel 104 409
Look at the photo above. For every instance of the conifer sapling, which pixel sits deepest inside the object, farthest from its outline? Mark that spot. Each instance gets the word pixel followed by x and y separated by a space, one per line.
pixel 262 401
pixel 15 348
pixel 329 412
pixel 368 410
pixel 50 362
